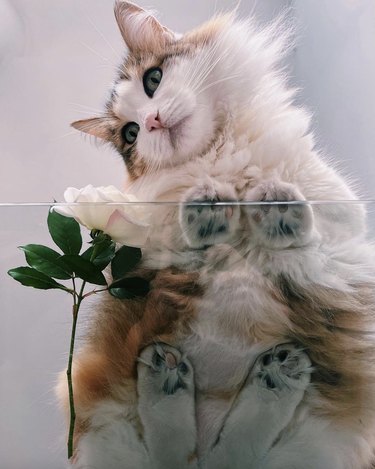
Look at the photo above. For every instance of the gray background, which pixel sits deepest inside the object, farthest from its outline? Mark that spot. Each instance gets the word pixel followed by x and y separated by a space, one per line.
pixel 56 60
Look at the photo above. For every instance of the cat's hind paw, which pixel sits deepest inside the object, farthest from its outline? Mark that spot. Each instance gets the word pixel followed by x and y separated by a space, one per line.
pixel 282 370
pixel 166 406
pixel 164 370
pixel 265 406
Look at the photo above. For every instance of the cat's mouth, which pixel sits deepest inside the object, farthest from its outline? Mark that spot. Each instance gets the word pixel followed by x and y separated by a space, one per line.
pixel 176 132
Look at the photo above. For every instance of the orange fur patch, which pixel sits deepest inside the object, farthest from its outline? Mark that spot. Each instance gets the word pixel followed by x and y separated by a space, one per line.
pixel 120 330
pixel 334 328
pixel 209 30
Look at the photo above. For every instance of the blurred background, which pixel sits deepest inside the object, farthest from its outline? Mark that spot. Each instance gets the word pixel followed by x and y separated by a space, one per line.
pixel 57 59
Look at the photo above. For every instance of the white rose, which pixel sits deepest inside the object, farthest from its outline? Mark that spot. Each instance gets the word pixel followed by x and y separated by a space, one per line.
pixel 126 223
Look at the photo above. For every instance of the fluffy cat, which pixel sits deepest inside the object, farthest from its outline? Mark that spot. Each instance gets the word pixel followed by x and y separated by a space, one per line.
pixel 254 348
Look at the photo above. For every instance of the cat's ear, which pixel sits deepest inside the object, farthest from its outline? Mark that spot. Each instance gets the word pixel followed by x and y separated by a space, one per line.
pixel 97 126
pixel 140 30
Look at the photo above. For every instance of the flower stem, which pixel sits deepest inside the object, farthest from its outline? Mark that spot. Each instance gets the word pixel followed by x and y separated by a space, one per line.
pixel 77 300
pixel 77 303
pixel 70 384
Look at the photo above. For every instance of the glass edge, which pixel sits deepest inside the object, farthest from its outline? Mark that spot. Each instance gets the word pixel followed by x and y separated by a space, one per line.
pixel 200 203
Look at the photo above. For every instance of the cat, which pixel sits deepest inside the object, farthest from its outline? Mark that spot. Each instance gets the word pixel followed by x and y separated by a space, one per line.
pixel 253 348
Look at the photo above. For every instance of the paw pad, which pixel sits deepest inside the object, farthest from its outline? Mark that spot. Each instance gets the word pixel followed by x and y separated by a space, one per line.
pixel 204 220
pixel 167 368
pixel 283 218
pixel 284 367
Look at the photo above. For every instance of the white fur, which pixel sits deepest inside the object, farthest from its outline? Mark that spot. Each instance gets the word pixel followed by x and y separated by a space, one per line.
pixel 112 440
pixel 117 440
pixel 231 90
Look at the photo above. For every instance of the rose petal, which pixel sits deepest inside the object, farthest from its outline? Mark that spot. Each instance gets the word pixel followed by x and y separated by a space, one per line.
pixel 63 210
pixel 126 232
pixel 103 208
pixel 71 194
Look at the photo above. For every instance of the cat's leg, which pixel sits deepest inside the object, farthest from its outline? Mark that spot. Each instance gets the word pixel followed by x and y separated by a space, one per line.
pixel 265 406
pixel 279 226
pixel 315 444
pixel 167 408
pixel 206 225
pixel 111 439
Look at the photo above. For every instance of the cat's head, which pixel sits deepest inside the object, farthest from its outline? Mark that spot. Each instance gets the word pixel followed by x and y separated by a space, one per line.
pixel 173 92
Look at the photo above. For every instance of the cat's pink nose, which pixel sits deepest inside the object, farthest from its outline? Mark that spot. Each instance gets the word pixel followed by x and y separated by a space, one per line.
pixel 152 121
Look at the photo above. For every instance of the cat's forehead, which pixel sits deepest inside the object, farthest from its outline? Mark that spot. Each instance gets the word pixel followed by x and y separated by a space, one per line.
pixel 135 65
pixel 183 45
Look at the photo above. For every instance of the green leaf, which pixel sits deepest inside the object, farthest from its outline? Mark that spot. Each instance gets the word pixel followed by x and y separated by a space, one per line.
pixel 45 260
pixel 126 258
pixel 129 288
pixel 104 253
pixel 84 269
pixel 65 232
pixel 33 278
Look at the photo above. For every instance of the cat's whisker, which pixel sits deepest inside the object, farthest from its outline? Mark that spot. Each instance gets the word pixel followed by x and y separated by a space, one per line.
pixel 117 54
pixel 195 64
pixel 105 66
pixel 84 106
pixel 210 85
pixel 208 70
pixel 105 59
pixel 87 113
pixel 198 67
pixel 203 63
pixel 69 134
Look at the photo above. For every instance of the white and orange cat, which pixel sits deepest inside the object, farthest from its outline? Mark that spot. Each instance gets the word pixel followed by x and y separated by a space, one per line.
pixel 255 347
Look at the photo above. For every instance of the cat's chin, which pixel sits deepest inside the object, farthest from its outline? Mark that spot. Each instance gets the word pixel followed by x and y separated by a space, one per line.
pixel 175 143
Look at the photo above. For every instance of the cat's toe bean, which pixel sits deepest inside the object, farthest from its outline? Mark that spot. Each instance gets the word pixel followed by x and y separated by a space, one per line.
pixel 229 212
pixel 283 208
pixel 191 218
pixel 163 369
pixel 282 369
pixel 279 225
pixel 207 216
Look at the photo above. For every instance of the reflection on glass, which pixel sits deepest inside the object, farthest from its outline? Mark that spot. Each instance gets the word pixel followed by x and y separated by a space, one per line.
pixel 259 325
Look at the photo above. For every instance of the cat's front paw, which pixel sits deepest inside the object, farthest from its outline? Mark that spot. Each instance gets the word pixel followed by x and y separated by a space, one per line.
pixel 279 225
pixel 204 221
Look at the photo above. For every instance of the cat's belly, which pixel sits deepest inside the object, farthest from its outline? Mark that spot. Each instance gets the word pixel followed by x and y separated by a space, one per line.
pixel 221 366
pixel 238 319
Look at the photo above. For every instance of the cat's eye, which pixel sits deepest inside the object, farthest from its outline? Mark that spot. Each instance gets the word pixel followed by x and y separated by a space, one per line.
pixel 130 132
pixel 151 80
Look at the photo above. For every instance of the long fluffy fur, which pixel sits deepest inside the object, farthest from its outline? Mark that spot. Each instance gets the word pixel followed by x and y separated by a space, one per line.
pixel 226 304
